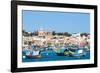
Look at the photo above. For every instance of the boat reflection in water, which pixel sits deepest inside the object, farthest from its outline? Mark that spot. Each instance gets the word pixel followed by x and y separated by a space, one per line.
pixel 35 53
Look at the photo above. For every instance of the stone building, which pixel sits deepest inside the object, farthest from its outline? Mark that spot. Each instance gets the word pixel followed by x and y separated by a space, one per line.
pixel 43 33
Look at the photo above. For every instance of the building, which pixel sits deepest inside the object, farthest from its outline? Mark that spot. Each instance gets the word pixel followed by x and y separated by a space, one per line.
pixel 46 38
pixel 43 33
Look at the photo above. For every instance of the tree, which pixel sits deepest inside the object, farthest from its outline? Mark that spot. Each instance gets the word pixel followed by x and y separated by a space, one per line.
pixel 67 34
pixel 84 34
pixel 53 32
pixel 36 33
pixel 60 33
pixel 24 33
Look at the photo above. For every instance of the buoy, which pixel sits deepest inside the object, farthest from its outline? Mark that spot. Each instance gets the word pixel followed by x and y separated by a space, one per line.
pixel 24 57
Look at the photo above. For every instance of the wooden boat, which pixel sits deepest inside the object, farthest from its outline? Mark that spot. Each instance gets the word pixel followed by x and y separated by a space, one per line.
pixel 33 53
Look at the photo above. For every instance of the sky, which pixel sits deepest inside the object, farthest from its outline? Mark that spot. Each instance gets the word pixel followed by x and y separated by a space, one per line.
pixel 71 22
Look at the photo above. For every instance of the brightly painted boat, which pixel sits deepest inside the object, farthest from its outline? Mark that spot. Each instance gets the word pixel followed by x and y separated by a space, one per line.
pixel 34 52
pixel 61 51
pixel 70 51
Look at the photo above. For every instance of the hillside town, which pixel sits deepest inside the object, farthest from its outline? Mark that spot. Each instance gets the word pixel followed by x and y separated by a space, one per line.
pixel 45 38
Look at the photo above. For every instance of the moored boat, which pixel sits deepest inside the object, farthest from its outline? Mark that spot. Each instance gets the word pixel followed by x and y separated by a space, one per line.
pixel 33 52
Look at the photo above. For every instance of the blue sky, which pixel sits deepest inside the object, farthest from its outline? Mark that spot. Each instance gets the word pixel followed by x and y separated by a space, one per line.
pixel 56 21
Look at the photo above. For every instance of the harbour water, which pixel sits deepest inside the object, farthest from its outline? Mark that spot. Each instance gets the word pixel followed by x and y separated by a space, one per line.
pixel 50 55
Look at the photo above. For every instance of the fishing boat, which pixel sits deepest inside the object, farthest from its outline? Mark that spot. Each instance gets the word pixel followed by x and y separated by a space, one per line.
pixel 34 52
pixel 70 51
pixel 77 52
pixel 60 51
